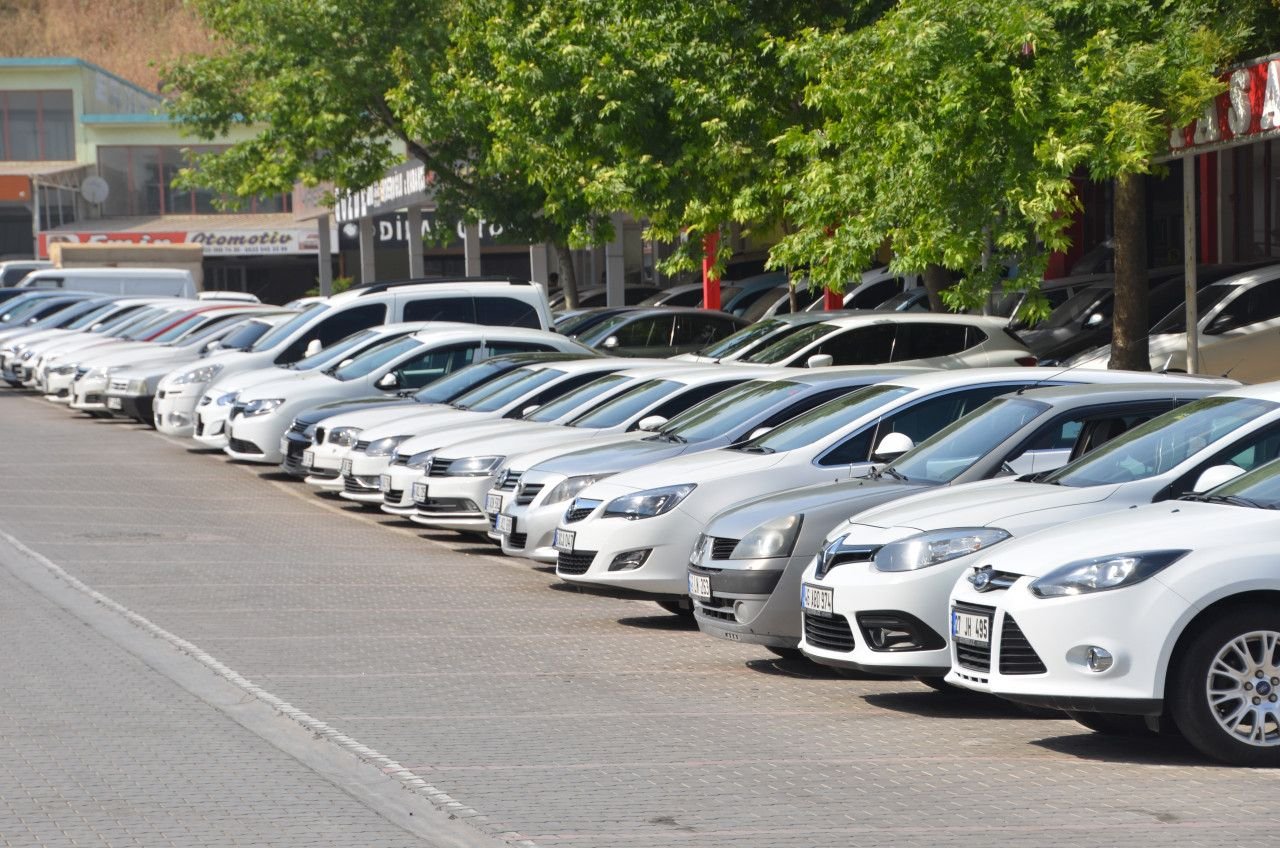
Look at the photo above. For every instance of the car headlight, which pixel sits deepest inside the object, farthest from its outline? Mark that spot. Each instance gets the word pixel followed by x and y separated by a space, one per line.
pixel 203 374
pixel 385 446
pixel 27 354
pixel 568 489
pixel 419 461
pixel 63 370
pixel 474 466
pixel 261 406
pixel 648 503
pixel 774 538
pixel 938 546
pixel 1102 573
pixel 225 399
pixel 343 437
pixel 137 387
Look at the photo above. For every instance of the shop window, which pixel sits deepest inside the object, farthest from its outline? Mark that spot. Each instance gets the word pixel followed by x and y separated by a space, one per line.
pixel 1251 201
pixel 36 126
pixel 141 183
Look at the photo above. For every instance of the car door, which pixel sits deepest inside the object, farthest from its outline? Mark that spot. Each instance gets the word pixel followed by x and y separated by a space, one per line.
pixel 868 345
pixel 649 335
pixel 694 332
pixel 1243 337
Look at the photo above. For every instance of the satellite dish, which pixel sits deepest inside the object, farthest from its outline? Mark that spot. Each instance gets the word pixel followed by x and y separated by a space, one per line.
pixel 94 189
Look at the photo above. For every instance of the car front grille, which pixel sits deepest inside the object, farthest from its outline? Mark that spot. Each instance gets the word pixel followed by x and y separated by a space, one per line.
pixel 518 540
pixel 1016 654
pixel 975 657
pixel 320 431
pixel 393 497
pixel 717 612
pixel 526 493
pixel 832 634
pixel 444 506
pixel 361 446
pixel 509 482
pixel 723 548
pixel 93 398
pixel 237 409
pixel 575 563
pixel 243 446
pixel 863 553
pixel 438 466
pixel 119 385
pixel 298 427
pixel 580 510
pixel 357 486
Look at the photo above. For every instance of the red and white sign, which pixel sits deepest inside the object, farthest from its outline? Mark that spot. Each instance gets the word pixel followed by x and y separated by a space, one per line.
pixel 1249 110
pixel 266 242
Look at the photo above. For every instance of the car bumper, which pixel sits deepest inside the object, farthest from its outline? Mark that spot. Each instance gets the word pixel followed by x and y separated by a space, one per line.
pixel 255 438
pixel 753 601
pixel 531 531
pixel 141 407
pixel 89 394
pixel 292 447
pixel 211 423
pixel 455 503
pixel 599 542
pixel 396 484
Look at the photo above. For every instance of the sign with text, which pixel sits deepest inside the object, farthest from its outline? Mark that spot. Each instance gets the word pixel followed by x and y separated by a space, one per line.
pixel 232 242
pixel 1249 110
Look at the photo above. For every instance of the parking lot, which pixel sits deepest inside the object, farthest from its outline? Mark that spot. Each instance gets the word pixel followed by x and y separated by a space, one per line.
pixel 545 716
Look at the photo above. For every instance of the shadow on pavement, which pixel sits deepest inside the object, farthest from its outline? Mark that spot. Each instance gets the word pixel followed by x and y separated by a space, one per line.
pixel 954 705
pixel 661 621
pixel 803 669
pixel 1167 749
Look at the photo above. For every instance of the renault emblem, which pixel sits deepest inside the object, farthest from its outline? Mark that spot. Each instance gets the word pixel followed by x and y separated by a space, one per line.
pixel 981 579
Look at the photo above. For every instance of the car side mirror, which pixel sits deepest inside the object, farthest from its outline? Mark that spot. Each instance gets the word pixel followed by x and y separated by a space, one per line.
pixel 212 346
pixel 652 422
pixel 758 432
pixel 610 343
pixel 1093 320
pixel 530 409
pixel 389 380
pixel 313 347
pixel 819 360
pixel 1215 476
pixel 893 446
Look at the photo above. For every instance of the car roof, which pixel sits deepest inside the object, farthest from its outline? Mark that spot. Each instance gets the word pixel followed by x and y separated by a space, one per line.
pixel 858 318
pixel 957 377
pixel 432 330
pixel 1250 277
pixel 833 377
pixel 646 311
pixel 1084 394
pixel 1260 391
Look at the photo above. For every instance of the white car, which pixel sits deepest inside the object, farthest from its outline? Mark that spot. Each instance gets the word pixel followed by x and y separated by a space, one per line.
pixel 1168 610
pixel 16 353
pixel 924 339
pixel 631 535
pixel 753 337
pixel 526 393
pixel 644 405
pixel 261 414
pixel 901 560
pixel 744 575
pixel 530 498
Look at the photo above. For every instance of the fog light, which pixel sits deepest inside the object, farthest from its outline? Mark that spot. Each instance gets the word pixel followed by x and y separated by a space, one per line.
pixel 1098 659
pixel 179 419
pixel 629 560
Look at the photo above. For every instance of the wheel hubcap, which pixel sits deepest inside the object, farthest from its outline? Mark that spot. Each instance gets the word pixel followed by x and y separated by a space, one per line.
pixel 1242 686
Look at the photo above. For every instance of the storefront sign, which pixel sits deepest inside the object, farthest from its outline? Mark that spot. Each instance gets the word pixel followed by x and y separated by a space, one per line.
pixel 403 185
pixel 1249 110
pixel 251 242
pixel 392 231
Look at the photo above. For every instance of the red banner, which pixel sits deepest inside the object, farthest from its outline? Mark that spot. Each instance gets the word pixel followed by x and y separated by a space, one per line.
pixel 1249 110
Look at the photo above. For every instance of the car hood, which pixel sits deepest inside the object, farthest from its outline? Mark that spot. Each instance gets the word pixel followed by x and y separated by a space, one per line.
pixel 990 502
pixel 295 386
pixel 620 456
pixel 381 403
pixel 442 430
pixel 516 437
pixel 831 502
pixel 542 457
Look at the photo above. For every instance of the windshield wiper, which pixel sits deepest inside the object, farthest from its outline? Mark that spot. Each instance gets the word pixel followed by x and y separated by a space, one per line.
pixel 668 436
pixel 756 449
pixel 1234 500
pixel 892 472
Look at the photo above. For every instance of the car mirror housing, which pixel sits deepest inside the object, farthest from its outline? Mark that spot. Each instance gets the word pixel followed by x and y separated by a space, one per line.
pixel 313 347
pixel 1215 476
pixel 819 360
pixel 389 380
pixel 893 446
pixel 610 342
pixel 651 422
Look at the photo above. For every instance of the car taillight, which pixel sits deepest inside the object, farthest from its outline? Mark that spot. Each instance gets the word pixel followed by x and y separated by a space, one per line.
pixel 1029 361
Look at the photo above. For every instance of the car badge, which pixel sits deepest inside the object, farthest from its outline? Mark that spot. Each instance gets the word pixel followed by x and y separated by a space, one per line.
pixel 981 579
pixel 502 478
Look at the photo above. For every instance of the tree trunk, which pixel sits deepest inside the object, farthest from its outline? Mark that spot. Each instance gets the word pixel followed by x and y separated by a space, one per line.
pixel 568 276
pixel 1129 348
pixel 936 279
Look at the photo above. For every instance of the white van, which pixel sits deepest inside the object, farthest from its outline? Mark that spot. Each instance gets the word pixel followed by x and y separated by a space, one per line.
pixel 12 272
pixel 136 281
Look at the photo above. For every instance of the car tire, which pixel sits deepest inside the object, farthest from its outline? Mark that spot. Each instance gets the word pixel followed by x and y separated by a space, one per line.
pixel 1225 657
pixel 1112 724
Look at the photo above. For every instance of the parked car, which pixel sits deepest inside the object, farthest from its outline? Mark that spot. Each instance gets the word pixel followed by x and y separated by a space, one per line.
pixel 168 282
pixel 599 296
pixel 876 288
pixel 689 294
pixel 21 358
pixel 777 301
pixel 1165 611
pixel 749 290
pixel 744 573
pixel 753 337
pixel 903 558
pixel 870 338
pixel 660 331
pixel 12 271
pixel 576 321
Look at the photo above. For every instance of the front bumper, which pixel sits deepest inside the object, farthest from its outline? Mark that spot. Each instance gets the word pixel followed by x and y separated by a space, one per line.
pixel 175 409
pixel 396 484
pixel 211 425
pixel 362 478
pixel 754 601
pixel 455 503
pixel 89 394
pixel 255 438
pixel 598 542
pixel 139 407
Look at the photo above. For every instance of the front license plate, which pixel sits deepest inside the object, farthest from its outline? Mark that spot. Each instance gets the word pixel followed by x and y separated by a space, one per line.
pixel 419 491
pixel 562 541
pixel 817 599
pixel 346 468
pixel 493 503
pixel 308 458
pixel 114 403
pixel 384 483
pixel 506 525
pixel 700 587
pixel 970 629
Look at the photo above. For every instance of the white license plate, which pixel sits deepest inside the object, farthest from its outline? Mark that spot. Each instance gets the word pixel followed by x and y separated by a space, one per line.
pixel 346 468
pixel 493 503
pixel 562 540
pixel 384 483
pixel 700 587
pixel 308 458
pixel 817 599
pixel 971 629
pixel 506 525
pixel 114 403
pixel 420 491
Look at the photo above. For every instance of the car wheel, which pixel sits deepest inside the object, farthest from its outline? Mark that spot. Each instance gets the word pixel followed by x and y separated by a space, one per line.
pixel 677 607
pixel 1112 724
pixel 937 684
pixel 1225 692
pixel 785 653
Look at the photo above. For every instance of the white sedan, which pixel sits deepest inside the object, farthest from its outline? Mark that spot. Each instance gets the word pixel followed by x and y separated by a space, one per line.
pixel 1168 610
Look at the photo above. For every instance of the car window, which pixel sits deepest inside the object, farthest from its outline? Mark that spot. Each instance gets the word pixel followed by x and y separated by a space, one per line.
pixel 243 337
pixel 948 452
pixel 188 323
pixel 869 345
pixel 1258 304
pixel 581 397
pixel 506 312
pixel 335 327
pixel 874 294
pixel 461 309
pixel 504 348
pixel 700 329
pixel 502 395
pixel 727 411
pixel 558 390
pixel 922 341
pixel 376 357
pixel 1080 305
pixel 286 329
pixel 620 408
pixel 746 336
pixel 459 382
pixel 793 343
pixel 431 365
pixel 685 400
pixel 821 422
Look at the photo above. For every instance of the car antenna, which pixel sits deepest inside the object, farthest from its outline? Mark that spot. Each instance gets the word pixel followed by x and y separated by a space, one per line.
pixel 1043 380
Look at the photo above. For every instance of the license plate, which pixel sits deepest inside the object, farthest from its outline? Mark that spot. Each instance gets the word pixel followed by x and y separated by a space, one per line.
pixel 493 503
pixel 817 599
pixel 114 403
pixel 700 587
pixel 384 483
pixel 971 629
pixel 346 468
pixel 562 541
pixel 308 458
pixel 419 491
pixel 506 525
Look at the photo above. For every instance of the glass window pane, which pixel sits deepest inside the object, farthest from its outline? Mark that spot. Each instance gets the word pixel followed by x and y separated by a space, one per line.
pixel 24 140
pixel 59 125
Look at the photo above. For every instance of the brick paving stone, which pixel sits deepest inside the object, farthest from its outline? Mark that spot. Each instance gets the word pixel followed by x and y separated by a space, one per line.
pixel 572 720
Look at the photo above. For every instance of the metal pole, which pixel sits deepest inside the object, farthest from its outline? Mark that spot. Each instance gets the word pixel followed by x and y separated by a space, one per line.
pixel 368 269
pixel 615 267
pixel 414 237
pixel 471 249
pixel 35 217
pixel 1189 254
pixel 325 257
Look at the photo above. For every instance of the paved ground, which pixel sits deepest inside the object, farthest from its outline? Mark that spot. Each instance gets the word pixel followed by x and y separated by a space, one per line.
pixel 562 719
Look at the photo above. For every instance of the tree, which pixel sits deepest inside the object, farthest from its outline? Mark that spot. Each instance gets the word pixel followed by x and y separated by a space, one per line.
pixel 952 129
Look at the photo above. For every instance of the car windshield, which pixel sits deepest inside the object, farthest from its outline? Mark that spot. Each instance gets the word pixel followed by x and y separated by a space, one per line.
pixel 1207 298
pixel 747 336
pixel 243 337
pixel 376 357
pixel 1074 308
pixel 211 330
pixel 622 408
pixel 793 343
pixel 1163 442
pixel 64 314
pixel 728 411
pixel 150 325
pixel 133 318
pixel 17 314
pixel 456 384
pixel 820 422
pixel 286 330
pixel 946 454
pixel 93 315
pixel 581 397
pixel 179 329
pixel 337 351
pixel 599 332
pixel 1259 488
pixel 513 391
